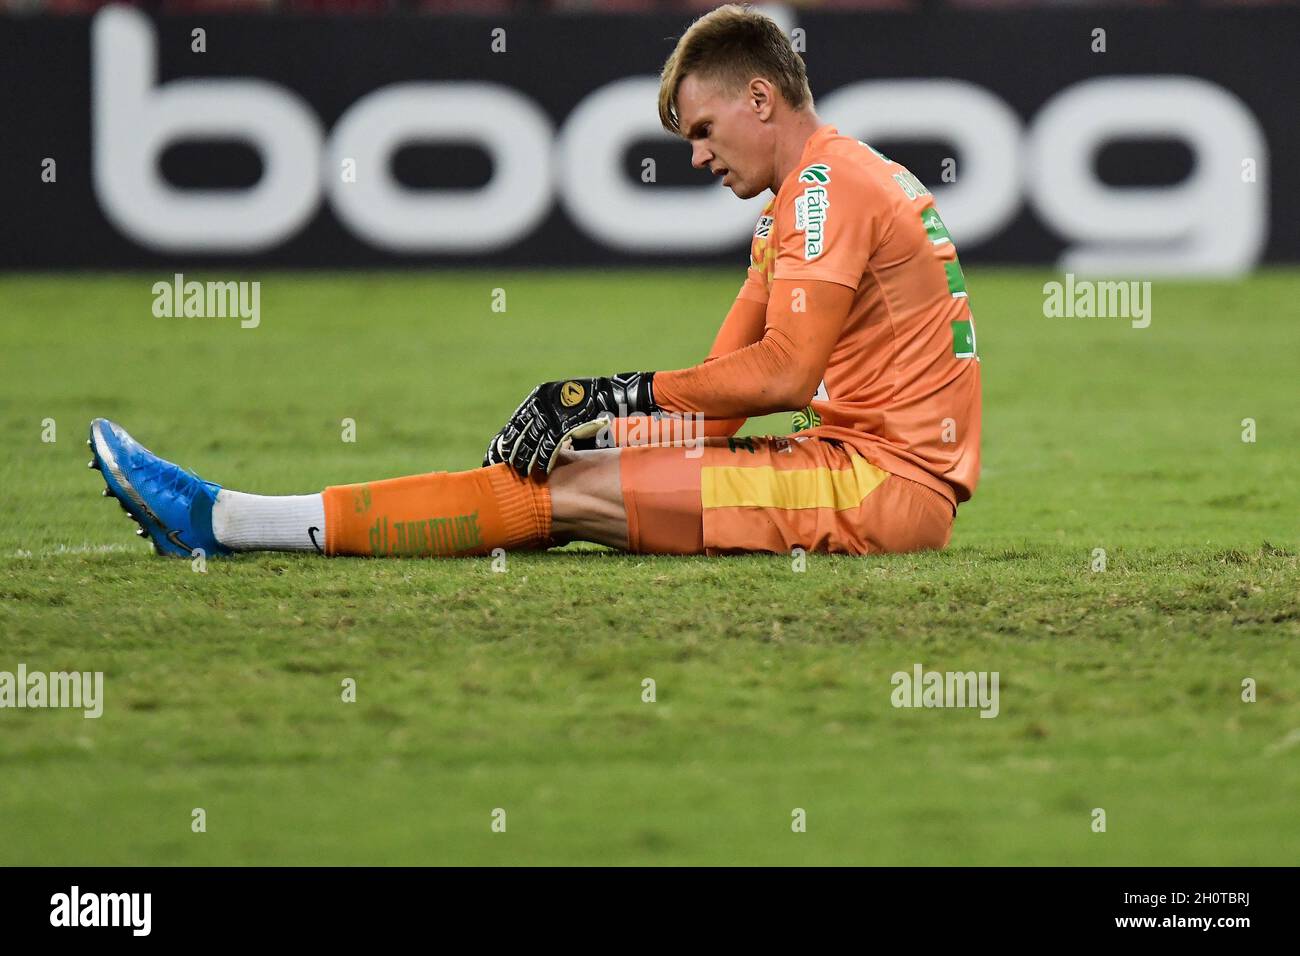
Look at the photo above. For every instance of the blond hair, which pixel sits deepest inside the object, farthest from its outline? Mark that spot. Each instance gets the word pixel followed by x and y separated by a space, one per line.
pixel 730 46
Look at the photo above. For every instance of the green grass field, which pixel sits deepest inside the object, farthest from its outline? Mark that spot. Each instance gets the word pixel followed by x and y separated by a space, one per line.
pixel 1120 689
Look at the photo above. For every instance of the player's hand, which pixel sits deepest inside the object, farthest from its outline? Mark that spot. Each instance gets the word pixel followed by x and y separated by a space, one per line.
pixel 497 449
pixel 554 414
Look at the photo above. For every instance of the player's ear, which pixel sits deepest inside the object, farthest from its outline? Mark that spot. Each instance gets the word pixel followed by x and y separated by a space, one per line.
pixel 760 95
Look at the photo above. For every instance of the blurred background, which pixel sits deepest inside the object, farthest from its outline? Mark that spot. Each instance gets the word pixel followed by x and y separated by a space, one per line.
pixel 1108 137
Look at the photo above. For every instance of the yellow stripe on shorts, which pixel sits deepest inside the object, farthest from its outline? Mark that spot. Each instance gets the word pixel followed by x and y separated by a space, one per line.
pixel 725 486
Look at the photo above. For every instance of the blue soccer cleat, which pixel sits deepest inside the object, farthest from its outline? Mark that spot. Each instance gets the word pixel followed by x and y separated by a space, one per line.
pixel 172 506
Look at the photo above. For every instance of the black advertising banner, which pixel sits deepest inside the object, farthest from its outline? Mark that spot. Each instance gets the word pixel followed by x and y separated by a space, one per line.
pixel 1101 140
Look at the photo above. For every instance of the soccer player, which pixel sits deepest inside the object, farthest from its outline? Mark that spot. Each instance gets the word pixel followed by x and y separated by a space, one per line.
pixel 854 310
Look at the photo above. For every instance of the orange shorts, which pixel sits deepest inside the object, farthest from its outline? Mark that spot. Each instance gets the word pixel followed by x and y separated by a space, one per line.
pixel 736 495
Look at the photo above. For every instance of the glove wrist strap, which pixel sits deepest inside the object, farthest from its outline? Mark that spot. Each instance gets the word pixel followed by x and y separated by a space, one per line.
pixel 634 391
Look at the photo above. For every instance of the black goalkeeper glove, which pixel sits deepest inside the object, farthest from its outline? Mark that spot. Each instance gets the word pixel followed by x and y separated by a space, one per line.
pixel 556 413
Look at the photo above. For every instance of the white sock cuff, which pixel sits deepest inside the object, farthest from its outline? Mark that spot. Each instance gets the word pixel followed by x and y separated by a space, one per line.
pixel 244 522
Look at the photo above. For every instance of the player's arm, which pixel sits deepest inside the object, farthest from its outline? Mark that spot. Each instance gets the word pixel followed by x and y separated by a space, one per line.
pixel 743 325
pixel 811 294
pixel 779 372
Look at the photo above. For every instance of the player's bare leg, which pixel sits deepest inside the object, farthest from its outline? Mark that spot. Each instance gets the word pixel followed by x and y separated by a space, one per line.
pixel 587 498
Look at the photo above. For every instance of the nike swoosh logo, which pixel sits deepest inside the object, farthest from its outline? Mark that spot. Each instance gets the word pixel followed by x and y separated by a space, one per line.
pixel 175 538
pixel 311 533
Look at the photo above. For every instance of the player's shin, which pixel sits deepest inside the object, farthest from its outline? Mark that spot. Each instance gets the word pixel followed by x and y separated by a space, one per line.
pixel 447 514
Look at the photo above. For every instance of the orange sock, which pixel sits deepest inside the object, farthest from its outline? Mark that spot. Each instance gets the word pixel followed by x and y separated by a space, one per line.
pixel 439 514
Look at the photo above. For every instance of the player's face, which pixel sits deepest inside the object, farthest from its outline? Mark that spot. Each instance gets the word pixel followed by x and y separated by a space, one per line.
pixel 726 136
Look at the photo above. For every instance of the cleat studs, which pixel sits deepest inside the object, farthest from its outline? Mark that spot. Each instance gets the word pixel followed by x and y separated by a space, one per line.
pixel 89 443
pixel 91 464
pixel 140 532
pixel 105 492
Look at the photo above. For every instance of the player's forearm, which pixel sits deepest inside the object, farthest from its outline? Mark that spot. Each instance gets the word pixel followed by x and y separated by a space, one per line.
pixel 777 373
pixel 757 380
pixel 743 326
pixel 636 431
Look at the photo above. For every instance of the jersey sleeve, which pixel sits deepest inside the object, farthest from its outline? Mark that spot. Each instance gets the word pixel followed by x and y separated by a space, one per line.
pixel 829 225
pixel 755 287
pixel 744 322
pixel 743 326
pixel 766 376
pixel 762 258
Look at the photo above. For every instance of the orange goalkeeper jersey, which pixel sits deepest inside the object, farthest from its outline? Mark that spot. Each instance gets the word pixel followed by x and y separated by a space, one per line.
pixel 902 386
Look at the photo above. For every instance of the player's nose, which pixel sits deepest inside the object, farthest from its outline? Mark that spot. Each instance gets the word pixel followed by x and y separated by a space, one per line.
pixel 701 156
